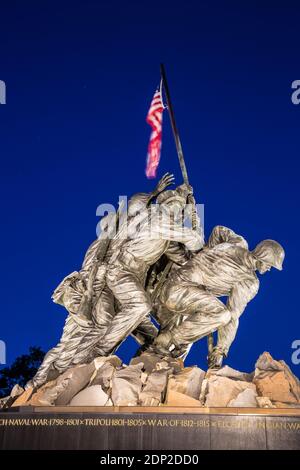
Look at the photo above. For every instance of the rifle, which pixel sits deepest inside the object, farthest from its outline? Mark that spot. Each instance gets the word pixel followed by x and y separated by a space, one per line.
pixel 86 304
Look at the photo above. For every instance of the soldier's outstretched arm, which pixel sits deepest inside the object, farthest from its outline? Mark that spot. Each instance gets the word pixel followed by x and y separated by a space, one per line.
pixel 241 294
pixel 167 229
pixel 222 234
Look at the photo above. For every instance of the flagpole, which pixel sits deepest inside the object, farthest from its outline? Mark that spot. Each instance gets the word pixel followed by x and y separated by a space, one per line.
pixel 173 124
pixel 191 199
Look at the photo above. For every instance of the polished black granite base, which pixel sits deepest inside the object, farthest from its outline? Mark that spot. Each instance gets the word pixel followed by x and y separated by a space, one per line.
pixel 149 428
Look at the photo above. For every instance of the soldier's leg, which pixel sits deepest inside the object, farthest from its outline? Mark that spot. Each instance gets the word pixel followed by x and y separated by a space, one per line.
pixel 74 347
pixel 70 337
pixel 213 315
pixel 168 321
pixel 77 342
pixel 103 313
pixel 204 313
pixel 166 318
pixel 146 332
pixel 104 310
pixel 135 306
pixel 59 358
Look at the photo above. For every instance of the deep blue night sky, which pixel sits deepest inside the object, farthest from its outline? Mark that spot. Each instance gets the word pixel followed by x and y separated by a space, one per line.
pixel 80 76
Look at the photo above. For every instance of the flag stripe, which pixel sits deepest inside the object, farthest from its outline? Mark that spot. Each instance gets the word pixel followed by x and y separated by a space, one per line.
pixel 154 119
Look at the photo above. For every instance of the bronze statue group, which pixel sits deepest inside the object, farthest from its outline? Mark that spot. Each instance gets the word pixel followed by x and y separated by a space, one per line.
pixel 150 264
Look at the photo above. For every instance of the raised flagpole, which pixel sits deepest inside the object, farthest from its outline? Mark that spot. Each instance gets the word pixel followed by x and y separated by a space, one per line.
pixel 182 164
pixel 173 124
pixel 191 199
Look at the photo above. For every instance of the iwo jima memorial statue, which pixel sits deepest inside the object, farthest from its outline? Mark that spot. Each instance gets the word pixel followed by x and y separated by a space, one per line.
pixel 150 263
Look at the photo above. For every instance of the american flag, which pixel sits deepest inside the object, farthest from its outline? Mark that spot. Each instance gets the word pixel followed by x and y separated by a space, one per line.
pixel 154 119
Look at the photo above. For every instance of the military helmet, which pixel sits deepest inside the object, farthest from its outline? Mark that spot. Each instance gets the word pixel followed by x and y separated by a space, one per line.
pixel 171 196
pixel 270 252
pixel 179 194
